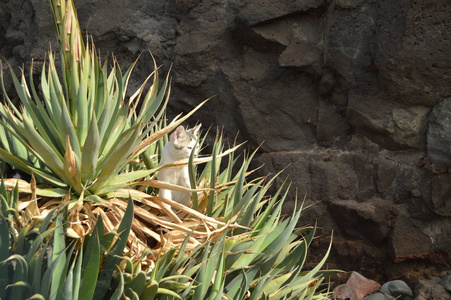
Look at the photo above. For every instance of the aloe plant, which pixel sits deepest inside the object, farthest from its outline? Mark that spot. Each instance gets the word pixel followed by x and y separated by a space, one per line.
pixel 258 255
pixel 39 261
pixel 82 132
pixel 261 256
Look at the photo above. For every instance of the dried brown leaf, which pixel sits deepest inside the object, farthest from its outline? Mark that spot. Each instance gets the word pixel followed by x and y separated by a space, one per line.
pixel 70 158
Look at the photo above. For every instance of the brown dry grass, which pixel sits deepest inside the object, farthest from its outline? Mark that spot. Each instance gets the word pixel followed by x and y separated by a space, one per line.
pixel 159 224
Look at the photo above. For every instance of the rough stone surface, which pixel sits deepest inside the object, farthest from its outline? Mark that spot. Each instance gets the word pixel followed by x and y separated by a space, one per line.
pixel 431 289
pixel 370 221
pixel 411 56
pixel 439 135
pixel 446 283
pixel 386 123
pixel 303 56
pixel 350 94
pixel 250 12
pixel 408 241
pixel 440 191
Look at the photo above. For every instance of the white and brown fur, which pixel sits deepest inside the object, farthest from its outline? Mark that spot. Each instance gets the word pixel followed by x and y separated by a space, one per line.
pixel 180 145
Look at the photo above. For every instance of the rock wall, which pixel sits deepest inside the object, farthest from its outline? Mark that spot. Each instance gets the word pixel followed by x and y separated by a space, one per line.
pixel 352 95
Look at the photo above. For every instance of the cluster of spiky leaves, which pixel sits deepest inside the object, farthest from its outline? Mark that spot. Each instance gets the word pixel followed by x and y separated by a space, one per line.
pixel 260 256
pixel 83 133
pixel 38 261
pixel 90 226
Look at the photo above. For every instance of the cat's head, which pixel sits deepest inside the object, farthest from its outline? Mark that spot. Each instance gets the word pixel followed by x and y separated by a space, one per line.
pixel 184 141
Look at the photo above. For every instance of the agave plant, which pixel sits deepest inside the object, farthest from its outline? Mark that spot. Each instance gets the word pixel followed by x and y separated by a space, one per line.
pixel 259 257
pixel 263 263
pixel 38 261
pixel 81 133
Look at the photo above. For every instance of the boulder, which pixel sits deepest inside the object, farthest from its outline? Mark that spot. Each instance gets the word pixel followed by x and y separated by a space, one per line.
pixel 343 292
pixel 439 229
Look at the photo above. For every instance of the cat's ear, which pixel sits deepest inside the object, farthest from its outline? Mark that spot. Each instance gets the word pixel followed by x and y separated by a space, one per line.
pixel 178 134
pixel 196 129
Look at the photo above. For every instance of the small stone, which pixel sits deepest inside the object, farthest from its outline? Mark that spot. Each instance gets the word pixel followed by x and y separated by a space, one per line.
pixel 379 296
pixel 357 287
pixel 375 296
pixel 362 285
pixel 396 288
pixel 446 283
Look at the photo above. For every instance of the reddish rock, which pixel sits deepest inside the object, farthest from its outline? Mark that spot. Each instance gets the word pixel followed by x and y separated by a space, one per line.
pixel 356 288
pixel 362 285
pixel 344 291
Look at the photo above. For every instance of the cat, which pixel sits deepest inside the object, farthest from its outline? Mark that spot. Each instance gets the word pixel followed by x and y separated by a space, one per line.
pixel 180 145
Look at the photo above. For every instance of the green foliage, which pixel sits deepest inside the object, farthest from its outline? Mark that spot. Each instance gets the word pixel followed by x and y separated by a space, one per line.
pixel 260 257
pixel 83 137
pixel 40 261
pixel 82 132
pixel 8 200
